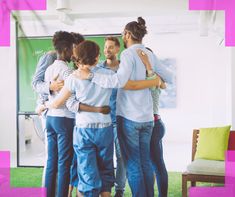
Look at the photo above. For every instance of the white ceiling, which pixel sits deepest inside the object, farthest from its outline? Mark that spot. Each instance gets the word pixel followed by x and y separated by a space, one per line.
pixel 106 17
pixel 108 8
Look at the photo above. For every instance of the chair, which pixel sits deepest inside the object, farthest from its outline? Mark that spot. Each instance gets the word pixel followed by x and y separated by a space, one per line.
pixel 197 177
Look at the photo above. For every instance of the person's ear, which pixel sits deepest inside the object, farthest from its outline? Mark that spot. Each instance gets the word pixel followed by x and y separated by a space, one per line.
pixel 128 35
pixel 117 50
pixel 64 52
pixel 97 60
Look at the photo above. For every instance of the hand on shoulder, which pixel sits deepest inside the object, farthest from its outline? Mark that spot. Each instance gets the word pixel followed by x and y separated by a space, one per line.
pixel 51 52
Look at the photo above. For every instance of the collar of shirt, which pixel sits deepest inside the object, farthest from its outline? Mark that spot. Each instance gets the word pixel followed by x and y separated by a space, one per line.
pixel 136 46
pixel 61 62
pixel 104 65
pixel 93 68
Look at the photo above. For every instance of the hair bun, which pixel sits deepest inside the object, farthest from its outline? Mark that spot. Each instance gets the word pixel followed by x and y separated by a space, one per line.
pixel 137 29
pixel 141 21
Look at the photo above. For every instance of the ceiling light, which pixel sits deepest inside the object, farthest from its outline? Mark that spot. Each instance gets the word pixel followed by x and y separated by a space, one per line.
pixel 63 6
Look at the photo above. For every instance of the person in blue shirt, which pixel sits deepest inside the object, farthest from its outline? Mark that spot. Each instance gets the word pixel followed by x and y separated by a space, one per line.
pixel 59 122
pixel 111 50
pixel 93 136
pixel 45 89
pixel 134 108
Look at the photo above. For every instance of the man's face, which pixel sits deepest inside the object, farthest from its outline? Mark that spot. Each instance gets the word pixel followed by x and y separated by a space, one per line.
pixel 110 49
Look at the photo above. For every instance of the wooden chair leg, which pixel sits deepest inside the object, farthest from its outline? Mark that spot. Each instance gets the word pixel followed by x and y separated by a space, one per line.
pixel 193 183
pixel 184 185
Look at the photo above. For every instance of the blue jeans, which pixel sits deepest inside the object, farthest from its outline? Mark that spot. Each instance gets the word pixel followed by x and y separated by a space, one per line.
pixel 60 150
pixel 94 149
pixel 73 172
pixel 134 139
pixel 157 158
pixel 120 179
pixel 43 121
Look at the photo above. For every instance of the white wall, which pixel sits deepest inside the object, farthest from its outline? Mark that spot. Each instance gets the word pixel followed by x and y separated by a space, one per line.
pixel 8 98
pixel 203 68
pixel 202 80
pixel 232 87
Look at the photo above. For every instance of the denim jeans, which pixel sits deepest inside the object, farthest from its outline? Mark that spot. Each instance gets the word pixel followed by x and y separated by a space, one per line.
pixel 43 121
pixel 134 139
pixel 94 150
pixel 73 171
pixel 157 158
pixel 60 150
pixel 120 179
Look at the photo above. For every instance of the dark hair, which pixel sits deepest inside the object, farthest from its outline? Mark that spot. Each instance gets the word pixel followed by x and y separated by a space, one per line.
pixel 114 39
pixel 86 52
pixel 62 40
pixel 137 29
pixel 78 37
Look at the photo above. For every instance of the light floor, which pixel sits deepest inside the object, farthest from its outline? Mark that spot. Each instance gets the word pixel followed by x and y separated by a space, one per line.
pixel 176 154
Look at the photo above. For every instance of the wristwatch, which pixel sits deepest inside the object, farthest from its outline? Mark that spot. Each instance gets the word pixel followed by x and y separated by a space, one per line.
pixel 90 76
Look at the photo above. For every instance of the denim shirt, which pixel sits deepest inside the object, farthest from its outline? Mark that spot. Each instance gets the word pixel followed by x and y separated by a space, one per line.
pixel 38 83
pixel 135 105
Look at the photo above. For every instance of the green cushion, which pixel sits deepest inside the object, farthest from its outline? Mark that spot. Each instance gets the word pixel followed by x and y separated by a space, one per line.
pixel 212 143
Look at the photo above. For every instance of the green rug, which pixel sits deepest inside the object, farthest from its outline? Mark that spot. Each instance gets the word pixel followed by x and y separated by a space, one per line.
pixel 31 177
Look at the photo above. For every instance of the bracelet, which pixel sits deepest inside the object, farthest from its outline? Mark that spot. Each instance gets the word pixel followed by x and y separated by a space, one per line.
pixel 154 76
pixel 150 73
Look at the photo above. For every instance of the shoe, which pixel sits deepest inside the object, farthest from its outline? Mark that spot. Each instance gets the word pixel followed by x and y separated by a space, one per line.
pixel 119 193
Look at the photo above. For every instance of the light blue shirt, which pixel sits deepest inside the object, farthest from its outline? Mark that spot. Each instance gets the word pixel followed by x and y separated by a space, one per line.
pixel 135 105
pixel 91 94
pixel 113 97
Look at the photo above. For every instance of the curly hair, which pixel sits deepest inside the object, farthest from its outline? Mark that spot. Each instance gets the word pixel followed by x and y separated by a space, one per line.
pixel 78 37
pixel 86 52
pixel 137 29
pixel 62 40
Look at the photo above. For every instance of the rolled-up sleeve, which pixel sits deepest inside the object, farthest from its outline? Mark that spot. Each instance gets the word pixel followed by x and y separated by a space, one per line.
pixel 73 104
pixel 162 71
pixel 119 79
